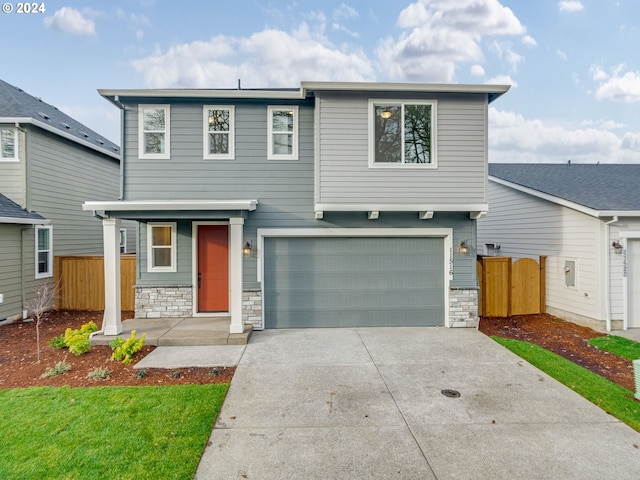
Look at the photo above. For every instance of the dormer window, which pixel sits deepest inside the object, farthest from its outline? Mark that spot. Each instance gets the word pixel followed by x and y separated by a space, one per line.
pixel 402 133
pixel 8 145
pixel 153 128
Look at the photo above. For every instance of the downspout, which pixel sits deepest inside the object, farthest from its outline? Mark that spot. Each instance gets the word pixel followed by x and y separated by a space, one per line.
pixel 116 100
pixel 607 299
pixel 23 288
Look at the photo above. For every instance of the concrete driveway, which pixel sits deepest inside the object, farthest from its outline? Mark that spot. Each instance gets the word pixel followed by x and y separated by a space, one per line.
pixel 367 403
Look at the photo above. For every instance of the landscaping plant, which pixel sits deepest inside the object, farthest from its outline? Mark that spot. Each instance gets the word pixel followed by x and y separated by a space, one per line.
pixel 78 339
pixel 59 369
pixel 43 300
pixel 123 350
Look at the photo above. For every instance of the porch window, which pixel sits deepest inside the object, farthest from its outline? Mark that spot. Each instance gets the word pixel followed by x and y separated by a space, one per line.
pixel 153 125
pixel 123 240
pixel 161 247
pixel 283 132
pixel 8 145
pixel 219 125
pixel 402 133
pixel 44 252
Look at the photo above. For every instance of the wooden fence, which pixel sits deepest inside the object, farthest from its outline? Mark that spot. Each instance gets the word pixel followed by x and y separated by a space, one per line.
pixel 511 288
pixel 80 282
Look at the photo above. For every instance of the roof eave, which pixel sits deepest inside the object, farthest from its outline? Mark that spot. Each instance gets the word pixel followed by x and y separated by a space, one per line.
pixel 25 221
pixel 113 96
pixel 168 205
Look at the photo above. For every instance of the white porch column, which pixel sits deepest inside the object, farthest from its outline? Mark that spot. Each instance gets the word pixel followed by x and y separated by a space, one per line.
pixel 111 322
pixel 235 274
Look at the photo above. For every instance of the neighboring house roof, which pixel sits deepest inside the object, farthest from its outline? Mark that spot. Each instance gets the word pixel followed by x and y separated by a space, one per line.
pixel 11 212
pixel 306 89
pixel 596 189
pixel 17 106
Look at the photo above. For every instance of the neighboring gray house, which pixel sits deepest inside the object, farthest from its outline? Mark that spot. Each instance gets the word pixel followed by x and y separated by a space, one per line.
pixel 49 164
pixel 586 220
pixel 333 204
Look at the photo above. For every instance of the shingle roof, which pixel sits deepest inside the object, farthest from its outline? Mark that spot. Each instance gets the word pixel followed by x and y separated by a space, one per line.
pixel 611 187
pixel 10 209
pixel 14 102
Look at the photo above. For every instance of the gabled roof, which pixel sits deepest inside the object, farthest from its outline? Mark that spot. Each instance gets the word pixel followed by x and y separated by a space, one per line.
pixel 18 106
pixel 11 212
pixel 599 190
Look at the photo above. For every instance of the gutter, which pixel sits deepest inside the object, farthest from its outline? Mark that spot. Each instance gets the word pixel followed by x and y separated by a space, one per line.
pixel 607 299
pixel 116 101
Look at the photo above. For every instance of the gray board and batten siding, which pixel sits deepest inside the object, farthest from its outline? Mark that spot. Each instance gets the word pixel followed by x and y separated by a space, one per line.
pixel 344 175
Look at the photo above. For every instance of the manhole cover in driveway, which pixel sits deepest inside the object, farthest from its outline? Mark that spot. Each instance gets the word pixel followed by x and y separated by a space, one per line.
pixel 447 392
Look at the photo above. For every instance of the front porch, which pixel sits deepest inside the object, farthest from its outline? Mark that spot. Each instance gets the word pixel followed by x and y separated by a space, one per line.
pixel 180 331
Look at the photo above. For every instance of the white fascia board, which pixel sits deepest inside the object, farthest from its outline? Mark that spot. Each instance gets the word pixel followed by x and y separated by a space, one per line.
pixel 548 197
pixel 116 95
pixel 57 131
pixel 406 87
pixel 178 205
pixel 368 207
pixel 24 221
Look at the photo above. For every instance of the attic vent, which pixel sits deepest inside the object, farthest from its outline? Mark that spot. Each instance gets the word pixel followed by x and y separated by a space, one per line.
pixel 99 141
pixel 65 125
pixel 115 149
pixel 84 134
pixel 44 115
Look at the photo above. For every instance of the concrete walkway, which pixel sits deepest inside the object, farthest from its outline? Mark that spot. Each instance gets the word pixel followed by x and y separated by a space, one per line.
pixel 368 404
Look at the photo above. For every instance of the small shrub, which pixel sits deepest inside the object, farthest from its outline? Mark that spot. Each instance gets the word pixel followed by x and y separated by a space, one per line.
pixel 214 372
pixel 123 350
pixel 59 369
pixel 176 374
pixel 78 340
pixel 100 373
pixel 141 373
pixel 57 342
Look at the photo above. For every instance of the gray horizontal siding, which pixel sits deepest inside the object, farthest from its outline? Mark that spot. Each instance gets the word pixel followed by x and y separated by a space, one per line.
pixel 344 175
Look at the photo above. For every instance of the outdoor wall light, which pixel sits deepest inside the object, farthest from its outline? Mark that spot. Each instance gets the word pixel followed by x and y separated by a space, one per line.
pixel 386 114
pixel 464 249
pixel 617 247
pixel 246 250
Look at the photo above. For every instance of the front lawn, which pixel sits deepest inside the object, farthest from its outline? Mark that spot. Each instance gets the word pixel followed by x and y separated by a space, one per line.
pixel 623 347
pixel 609 396
pixel 106 432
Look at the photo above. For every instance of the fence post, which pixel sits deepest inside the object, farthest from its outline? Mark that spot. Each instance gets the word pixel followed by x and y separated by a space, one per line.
pixel 57 281
pixel 543 283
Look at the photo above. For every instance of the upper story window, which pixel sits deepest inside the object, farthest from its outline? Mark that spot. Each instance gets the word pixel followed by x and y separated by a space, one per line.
pixel 153 128
pixel 402 133
pixel 161 247
pixel 44 252
pixel 8 145
pixel 283 132
pixel 219 126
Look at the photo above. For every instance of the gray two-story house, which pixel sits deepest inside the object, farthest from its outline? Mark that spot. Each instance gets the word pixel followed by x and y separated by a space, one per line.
pixel 330 205
pixel 49 164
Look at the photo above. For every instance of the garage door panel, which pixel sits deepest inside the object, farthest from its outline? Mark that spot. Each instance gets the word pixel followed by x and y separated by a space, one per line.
pixel 330 282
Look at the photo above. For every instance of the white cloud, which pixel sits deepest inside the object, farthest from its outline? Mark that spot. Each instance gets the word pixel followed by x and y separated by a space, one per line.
pixel 477 70
pixel 562 55
pixel 513 138
pixel 270 58
pixel 504 51
pixel 502 80
pixel 529 41
pixel 439 34
pixel 344 11
pixel 570 6
pixel 70 20
pixel 618 85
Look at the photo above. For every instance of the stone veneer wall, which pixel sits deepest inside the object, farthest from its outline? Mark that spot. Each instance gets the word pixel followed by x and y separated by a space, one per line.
pixel 252 308
pixel 160 302
pixel 463 307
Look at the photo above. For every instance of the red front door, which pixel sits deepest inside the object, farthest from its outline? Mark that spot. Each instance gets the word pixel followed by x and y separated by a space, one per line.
pixel 213 268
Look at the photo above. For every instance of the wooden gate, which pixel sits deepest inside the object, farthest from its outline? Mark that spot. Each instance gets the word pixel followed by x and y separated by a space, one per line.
pixel 80 282
pixel 511 288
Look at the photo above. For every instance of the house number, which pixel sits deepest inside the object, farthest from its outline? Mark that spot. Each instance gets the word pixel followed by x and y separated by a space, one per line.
pixel 451 262
pixel 624 263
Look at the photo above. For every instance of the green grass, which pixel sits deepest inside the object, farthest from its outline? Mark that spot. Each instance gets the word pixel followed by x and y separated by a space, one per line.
pixel 623 347
pixel 106 432
pixel 609 396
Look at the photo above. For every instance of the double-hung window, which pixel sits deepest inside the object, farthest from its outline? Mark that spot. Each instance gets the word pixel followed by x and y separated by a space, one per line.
pixel 154 132
pixel 8 145
pixel 44 251
pixel 402 133
pixel 161 247
pixel 123 240
pixel 283 132
pixel 219 142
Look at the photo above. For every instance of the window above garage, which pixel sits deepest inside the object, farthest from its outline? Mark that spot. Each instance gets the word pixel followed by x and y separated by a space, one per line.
pixel 402 134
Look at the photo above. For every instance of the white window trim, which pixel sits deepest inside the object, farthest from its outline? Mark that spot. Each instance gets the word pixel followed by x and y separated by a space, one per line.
pixel 167 132
pixel 123 250
pixel 49 272
pixel 16 151
pixel 270 154
pixel 434 133
pixel 232 133
pixel 173 267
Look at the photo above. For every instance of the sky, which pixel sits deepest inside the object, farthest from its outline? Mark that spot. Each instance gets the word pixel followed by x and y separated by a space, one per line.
pixel 573 65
